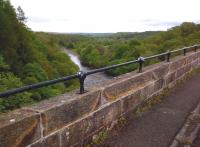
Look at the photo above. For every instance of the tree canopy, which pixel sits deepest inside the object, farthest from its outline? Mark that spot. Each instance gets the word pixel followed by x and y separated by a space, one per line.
pixel 98 50
pixel 27 57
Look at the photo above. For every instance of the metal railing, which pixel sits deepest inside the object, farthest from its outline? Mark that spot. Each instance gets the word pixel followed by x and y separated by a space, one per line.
pixel 81 75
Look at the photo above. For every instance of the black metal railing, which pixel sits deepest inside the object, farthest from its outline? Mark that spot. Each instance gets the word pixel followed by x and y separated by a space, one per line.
pixel 81 75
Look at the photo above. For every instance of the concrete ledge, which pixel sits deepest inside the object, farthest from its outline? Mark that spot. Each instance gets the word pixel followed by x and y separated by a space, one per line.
pixel 71 119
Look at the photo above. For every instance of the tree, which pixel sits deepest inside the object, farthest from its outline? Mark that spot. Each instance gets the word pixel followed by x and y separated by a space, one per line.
pixel 27 57
pixel 3 66
pixel 21 15
pixel 8 81
pixel 187 28
pixel 34 70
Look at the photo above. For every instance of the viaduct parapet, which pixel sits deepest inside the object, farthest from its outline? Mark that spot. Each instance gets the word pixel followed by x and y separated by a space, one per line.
pixel 73 119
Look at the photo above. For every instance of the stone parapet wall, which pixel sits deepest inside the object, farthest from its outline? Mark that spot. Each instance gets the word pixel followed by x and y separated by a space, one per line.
pixel 71 119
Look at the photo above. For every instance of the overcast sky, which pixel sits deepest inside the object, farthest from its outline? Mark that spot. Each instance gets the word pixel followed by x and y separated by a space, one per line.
pixel 107 15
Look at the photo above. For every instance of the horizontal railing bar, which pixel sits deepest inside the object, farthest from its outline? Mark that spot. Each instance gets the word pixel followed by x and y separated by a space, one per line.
pixel 110 67
pixel 37 85
pixel 178 50
pixel 155 56
pixel 185 48
pixel 79 75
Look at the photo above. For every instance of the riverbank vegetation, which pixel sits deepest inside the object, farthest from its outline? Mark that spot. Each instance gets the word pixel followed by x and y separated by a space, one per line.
pixel 98 50
pixel 26 58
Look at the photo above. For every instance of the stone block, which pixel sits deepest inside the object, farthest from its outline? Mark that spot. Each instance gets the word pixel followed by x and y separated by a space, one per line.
pixel 147 91
pixel 61 115
pixel 180 72
pixel 195 56
pixel 188 67
pixel 187 134
pixel 177 64
pixel 161 71
pixel 76 132
pixel 191 58
pixel 171 77
pixel 19 128
pixel 118 89
pixel 80 130
pixel 194 64
pixel 159 84
pixel 49 141
pixel 191 129
pixel 130 102
pixel 198 54
pixel 107 114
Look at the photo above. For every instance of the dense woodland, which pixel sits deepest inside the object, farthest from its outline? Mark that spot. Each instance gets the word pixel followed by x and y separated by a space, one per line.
pixel 98 50
pixel 28 57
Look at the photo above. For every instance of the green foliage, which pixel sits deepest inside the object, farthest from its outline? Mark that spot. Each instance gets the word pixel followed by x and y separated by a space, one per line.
pixel 121 70
pixel 8 81
pixel 99 138
pixel 3 65
pixel 20 15
pixel 98 50
pixel 27 57
pixel 34 70
pixel 91 56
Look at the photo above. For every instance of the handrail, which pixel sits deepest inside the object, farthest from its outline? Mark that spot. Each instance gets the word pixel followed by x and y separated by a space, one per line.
pixel 81 75
pixel 37 85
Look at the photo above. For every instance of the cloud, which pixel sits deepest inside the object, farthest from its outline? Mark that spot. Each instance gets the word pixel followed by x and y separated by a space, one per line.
pixel 107 15
pixel 156 23
pixel 46 20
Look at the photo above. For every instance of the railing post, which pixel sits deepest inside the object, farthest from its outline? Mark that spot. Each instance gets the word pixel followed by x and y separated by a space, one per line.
pixel 140 61
pixel 81 76
pixel 184 52
pixel 195 48
pixel 168 56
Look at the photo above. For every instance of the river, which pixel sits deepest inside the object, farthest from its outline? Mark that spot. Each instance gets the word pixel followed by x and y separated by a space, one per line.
pixel 91 79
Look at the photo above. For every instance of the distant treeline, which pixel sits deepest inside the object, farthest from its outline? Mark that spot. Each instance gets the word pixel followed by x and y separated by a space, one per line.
pixel 98 50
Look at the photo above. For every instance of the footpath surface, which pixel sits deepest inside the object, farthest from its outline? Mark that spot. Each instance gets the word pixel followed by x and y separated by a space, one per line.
pixel 159 126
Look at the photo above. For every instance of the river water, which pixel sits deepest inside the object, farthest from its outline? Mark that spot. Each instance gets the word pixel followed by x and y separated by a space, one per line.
pixel 91 79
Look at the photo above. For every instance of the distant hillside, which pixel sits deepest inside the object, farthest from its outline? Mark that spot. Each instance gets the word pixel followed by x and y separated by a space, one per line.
pixel 101 49
pixel 136 35
pixel 121 34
